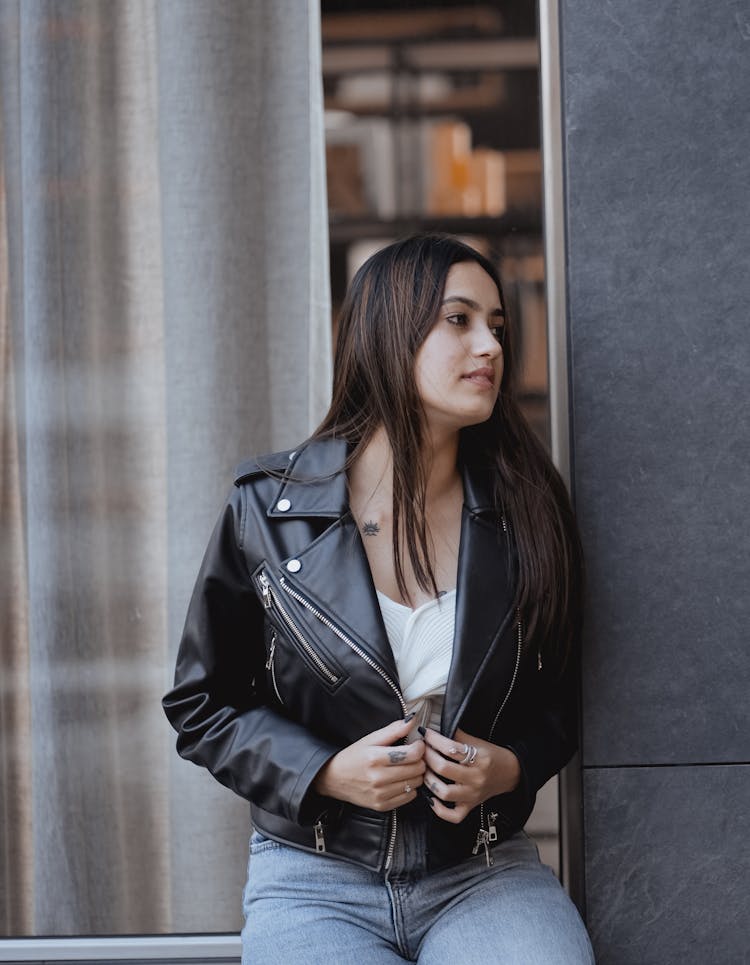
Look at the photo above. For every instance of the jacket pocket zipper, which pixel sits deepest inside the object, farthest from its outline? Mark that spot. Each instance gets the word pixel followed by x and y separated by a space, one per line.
pixel 347 640
pixel 270 666
pixel 489 834
pixel 272 602
pixel 370 663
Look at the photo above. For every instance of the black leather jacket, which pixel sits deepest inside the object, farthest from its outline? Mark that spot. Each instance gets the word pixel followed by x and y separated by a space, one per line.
pixel 285 660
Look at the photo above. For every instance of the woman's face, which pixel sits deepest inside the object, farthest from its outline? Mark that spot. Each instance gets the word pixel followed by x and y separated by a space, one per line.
pixel 459 365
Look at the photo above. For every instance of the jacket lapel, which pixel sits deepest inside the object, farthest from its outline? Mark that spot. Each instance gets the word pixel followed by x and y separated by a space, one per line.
pixel 334 575
pixel 333 572
pixel 484 598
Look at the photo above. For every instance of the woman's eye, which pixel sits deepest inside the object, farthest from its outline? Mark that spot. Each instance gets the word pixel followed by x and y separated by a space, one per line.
pixel 459 319
pixel 499 332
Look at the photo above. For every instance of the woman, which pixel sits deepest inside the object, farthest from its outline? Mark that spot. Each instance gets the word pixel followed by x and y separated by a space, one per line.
pixel 380 649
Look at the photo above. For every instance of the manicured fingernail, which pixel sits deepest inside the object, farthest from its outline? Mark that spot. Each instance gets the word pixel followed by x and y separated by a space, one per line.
pixel 409 717
pixel 449 804
pixel 422 730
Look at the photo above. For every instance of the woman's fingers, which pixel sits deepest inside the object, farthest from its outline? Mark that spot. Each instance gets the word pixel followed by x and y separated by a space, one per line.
pixel 377 769
pixel 456 773
pixel 396 731
pixel 401 754
pixel 453 815
pixel 401 787
pixel 395 776
pixel 446 792
pixel 455 750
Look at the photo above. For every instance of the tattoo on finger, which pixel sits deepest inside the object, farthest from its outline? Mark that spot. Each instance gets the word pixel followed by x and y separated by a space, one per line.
pixel 396 757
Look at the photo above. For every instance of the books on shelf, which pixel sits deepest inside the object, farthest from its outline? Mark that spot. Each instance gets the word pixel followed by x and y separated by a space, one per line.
pixel 423 166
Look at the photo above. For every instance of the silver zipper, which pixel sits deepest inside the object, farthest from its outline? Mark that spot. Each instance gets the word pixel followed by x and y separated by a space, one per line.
pixel 269 599
pixel 519 647
pixel 270 666
pixel 320 841
pixel 484 836
pixel 481 841
pixel 349 642
pixel 370 663
pixel 392 841
pixel 491 829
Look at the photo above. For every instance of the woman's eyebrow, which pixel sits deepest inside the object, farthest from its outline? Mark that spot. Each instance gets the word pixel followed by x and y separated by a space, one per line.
pixel 470 303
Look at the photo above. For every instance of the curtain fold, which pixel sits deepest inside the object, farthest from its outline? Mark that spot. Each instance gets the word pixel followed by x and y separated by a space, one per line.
pixel 166 314
pixel 16 896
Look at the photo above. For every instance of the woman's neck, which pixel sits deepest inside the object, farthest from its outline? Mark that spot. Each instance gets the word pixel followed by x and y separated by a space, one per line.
pixel 440 459
pixel 371 476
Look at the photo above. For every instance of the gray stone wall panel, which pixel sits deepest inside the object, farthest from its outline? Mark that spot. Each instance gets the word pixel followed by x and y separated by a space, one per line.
pixel 657 140
pixel 667 864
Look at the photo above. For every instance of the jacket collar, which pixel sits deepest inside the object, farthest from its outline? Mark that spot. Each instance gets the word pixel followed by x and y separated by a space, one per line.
pixel 314 483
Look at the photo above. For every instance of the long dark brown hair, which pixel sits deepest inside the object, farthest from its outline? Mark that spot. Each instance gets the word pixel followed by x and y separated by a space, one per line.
pixel 390 308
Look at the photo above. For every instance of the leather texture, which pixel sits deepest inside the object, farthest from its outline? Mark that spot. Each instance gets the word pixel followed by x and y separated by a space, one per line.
pixel 285 660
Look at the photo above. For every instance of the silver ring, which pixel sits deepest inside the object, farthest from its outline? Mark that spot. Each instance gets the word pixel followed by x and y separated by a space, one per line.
pixel 470 754
pixel 407 788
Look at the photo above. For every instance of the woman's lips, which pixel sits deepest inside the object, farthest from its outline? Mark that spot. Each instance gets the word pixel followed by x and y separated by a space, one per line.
pixel 483 377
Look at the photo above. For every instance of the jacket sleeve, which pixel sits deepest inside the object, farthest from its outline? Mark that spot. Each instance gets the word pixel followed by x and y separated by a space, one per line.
pixel 217 704
pixel 546 747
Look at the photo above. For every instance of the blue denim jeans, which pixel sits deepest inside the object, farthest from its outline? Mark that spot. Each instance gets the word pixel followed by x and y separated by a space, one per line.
pixel 304 909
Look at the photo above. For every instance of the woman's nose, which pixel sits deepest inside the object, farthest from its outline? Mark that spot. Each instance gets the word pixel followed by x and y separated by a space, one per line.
pixel 486 344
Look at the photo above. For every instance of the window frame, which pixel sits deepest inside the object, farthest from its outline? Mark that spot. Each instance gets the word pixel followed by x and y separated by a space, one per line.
pixel 172 948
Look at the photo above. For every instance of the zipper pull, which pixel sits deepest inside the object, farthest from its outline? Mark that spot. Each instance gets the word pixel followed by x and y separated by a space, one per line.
pixel 482 841
pixel 269 662
pixel 265 588
pixel 320 841
pixel 491 818
pixel 539 660
pixel 481 836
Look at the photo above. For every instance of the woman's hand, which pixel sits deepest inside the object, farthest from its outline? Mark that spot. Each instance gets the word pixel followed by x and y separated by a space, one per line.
pixel 495 770
pixel 373 773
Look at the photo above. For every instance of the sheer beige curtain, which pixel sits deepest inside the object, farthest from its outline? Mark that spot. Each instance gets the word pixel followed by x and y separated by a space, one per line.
pixel 165 311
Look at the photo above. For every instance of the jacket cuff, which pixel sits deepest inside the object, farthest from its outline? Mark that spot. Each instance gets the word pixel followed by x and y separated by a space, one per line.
pixel 306 804
pixel 524 794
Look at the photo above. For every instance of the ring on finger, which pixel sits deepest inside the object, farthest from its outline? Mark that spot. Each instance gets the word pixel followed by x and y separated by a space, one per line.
pixel 407 788
pixel 470 754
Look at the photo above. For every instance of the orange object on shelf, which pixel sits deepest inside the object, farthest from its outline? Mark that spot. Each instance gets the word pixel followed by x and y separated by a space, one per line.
pixel 451 189
pixel 488 176
pixel 472 183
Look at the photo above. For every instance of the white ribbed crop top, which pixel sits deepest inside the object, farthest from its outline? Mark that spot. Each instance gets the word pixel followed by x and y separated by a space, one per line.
pixel 422 645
